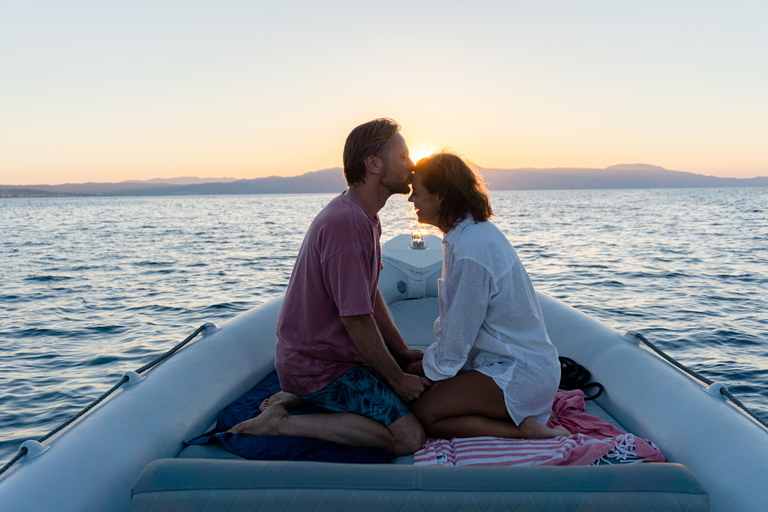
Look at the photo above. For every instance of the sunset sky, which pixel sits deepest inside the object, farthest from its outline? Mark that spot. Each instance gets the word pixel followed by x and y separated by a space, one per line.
pixel 112 91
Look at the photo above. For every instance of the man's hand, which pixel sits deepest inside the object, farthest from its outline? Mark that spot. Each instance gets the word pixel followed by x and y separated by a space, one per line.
pixel 410 387
pixel 415 368
pixel 408 357
pixel 368 341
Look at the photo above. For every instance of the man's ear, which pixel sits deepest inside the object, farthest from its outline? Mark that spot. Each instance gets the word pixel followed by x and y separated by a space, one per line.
pixel 373 164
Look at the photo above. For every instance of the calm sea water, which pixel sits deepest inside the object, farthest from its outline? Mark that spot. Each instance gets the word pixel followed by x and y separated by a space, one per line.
pixel 94 287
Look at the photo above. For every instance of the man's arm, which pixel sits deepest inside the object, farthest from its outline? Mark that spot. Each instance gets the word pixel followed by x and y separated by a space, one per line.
pixel 369 342
pixel 392 337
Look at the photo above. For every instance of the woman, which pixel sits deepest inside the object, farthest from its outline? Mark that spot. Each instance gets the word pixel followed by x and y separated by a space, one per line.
pixel 495 370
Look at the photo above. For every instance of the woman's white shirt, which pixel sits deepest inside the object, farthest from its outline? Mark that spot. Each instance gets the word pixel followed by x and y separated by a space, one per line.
pixel 491 321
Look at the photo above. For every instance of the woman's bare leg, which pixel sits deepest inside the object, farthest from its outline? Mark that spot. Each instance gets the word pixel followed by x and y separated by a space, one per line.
pixel 470 405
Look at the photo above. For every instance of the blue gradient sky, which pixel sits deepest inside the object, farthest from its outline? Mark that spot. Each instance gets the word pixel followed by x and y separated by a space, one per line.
pixel 110 91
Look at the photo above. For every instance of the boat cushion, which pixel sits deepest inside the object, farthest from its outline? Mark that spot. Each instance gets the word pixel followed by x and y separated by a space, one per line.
pixel 197 484
pixel 208 451
pixel 279 447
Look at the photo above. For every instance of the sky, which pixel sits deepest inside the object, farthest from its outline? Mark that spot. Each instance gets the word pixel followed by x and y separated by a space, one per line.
pixel 112 91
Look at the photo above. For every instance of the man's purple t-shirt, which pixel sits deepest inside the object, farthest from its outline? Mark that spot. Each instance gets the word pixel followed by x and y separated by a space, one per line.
pixel 336 274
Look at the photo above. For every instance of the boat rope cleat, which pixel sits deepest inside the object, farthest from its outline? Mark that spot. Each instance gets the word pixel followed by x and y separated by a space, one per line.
pixel 209 328
pixel 32 449
pixel 632 337
pixel 717 389
pixel 133 378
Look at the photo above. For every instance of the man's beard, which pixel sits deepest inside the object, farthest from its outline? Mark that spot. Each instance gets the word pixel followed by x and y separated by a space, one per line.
pixel 393 183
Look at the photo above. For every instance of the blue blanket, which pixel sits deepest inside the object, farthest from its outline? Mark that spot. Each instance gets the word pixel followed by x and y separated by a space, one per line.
pixel 281 447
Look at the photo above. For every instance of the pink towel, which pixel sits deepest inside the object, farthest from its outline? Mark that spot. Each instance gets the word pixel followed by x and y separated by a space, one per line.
pixel 592 439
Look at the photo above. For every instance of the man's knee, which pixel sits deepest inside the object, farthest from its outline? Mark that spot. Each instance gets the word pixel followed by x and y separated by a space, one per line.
pixel 408 435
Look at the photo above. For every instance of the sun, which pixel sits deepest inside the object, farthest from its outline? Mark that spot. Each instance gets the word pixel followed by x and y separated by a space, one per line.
pixel 419 152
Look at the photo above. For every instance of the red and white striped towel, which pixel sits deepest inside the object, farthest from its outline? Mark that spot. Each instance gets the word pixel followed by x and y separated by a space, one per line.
pixel 593 439
pixel 495 451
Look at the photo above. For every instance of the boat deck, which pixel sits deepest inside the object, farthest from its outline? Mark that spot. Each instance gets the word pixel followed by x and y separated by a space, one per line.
pixel 209 476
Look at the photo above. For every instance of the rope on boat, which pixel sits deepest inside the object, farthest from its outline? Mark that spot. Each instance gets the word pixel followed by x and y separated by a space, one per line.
pixel 23 450
pixel 723 390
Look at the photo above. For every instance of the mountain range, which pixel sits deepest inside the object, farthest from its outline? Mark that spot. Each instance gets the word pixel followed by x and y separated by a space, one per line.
pixel 332 180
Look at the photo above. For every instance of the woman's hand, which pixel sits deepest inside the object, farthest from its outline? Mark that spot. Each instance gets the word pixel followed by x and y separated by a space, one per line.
pixel 408 357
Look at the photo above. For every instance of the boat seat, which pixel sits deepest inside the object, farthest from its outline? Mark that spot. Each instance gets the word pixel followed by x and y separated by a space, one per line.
pixel 197 484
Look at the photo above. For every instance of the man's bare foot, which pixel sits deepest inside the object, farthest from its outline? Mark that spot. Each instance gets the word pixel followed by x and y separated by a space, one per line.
pixel 287 400
pixel 265 424
pixel 531 428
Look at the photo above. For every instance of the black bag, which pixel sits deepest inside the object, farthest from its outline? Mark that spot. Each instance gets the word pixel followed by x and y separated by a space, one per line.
pixel 575 376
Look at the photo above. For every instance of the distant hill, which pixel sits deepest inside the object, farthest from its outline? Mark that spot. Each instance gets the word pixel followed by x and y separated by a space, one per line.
pixel 327 180
pixel 332 180
pixel 96 189
pixel 614 177
pixel 10 191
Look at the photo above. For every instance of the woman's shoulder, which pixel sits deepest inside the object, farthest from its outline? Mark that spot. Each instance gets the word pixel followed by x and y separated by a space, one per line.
pixel 481 241
pixel 483 233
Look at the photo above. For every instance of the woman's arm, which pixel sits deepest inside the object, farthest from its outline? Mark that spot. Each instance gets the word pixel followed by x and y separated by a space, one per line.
pixel 465 299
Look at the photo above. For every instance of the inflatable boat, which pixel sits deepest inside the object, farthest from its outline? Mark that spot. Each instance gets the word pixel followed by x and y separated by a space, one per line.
pixel 128 454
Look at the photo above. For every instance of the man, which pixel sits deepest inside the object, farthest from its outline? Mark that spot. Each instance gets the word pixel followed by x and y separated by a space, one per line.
pixel 337 343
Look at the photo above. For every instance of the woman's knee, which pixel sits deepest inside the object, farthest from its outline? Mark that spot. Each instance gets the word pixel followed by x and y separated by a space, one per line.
pixel 426 420
pixel 427 409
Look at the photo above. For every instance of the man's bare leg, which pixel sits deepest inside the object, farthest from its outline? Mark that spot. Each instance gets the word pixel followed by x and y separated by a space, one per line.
pixel 403 437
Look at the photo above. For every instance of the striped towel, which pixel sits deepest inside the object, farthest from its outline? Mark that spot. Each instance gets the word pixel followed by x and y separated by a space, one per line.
pixel 594 441
pixel 495 451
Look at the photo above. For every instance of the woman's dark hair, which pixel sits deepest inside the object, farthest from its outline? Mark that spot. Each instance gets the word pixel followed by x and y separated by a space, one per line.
pixel 462 191
pixel 371 138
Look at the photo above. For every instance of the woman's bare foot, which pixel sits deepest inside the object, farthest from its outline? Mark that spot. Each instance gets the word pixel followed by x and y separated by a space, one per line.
pixel 265 424
pixel 531 428
pixel 287 400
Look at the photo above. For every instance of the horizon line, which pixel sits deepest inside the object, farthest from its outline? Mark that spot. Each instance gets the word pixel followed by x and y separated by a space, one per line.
pixel 221 179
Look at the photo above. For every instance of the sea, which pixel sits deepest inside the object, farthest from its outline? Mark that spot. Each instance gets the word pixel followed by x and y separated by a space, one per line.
pixel 92 287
